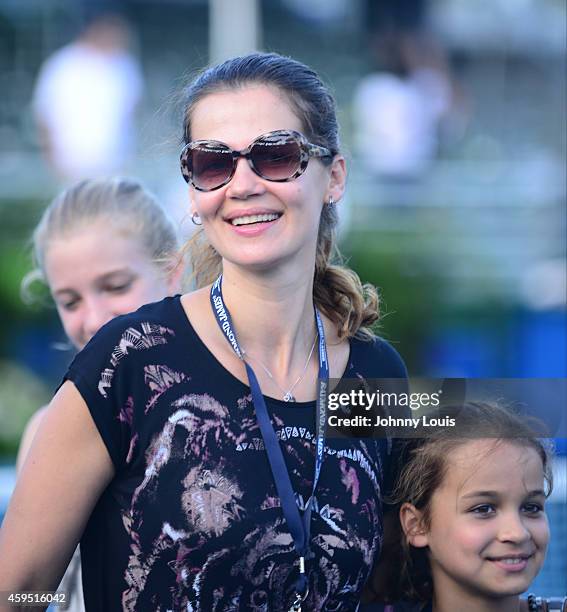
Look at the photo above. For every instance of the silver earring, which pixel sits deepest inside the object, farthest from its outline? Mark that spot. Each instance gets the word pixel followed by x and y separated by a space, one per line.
pixel 196 219
pixel 331 201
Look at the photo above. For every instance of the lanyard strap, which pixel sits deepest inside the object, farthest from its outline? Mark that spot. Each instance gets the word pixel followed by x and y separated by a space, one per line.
pixel 300 527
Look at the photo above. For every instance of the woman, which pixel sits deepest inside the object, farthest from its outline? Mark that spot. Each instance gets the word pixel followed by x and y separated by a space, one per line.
pixel 104 248
pixel 196 423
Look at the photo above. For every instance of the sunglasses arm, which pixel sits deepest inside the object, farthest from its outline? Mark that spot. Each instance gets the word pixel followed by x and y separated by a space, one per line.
pixel 317 151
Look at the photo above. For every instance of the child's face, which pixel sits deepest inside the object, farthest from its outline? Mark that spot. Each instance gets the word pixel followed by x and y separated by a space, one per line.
pixel 97 274
pixel 488 533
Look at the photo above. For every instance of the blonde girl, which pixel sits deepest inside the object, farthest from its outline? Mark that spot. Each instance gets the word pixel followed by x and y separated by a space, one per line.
pixel 104 248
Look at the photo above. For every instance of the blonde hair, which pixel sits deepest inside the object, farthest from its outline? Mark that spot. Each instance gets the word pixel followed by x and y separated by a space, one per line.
pixel 337 290
pixel 123 203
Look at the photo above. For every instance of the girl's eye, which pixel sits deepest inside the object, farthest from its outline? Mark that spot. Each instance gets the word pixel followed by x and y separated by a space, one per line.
pixel 533 508
pixel 483 510
pixel 70 305
pixel 122 288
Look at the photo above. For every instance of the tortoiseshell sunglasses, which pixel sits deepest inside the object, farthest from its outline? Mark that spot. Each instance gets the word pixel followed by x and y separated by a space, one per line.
pixel 278 156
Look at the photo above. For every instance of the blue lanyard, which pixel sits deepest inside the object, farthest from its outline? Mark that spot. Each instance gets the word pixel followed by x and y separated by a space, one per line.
pixel 299 526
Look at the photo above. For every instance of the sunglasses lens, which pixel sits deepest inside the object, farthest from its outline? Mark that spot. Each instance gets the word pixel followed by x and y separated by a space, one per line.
pixel 211 165
pixel 276 160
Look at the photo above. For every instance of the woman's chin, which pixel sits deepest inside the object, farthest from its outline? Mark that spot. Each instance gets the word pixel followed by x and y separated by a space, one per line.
pixel 275 265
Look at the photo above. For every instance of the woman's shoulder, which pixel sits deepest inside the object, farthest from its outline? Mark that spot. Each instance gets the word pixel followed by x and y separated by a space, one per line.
pixel 126 338
pixel 147 324
pixel 116 359
pixel 377 358
pixel 164 312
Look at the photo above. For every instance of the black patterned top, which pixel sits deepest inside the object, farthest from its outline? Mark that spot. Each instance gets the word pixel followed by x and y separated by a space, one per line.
pixel 191 520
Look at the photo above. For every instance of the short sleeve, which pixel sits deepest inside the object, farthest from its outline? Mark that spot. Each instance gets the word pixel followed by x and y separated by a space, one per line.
pixel 102 373
pixel 386 361
pixel 382 361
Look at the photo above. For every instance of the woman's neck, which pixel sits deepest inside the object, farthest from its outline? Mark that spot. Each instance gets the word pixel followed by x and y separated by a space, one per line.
pixel 273 316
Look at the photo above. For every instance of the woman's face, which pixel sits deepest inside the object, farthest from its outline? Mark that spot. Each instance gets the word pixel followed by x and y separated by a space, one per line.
pixel 489 532
pixel 236 118
pixel 99 273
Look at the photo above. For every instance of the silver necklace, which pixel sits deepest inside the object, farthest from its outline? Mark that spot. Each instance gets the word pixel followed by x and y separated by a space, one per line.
pixel 287 395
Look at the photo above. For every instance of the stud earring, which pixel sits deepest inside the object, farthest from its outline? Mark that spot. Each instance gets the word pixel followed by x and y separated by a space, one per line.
pixel 330 201
pixel 196 219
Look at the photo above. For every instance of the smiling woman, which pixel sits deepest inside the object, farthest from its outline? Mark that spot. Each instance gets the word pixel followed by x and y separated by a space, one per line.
pixel 195 424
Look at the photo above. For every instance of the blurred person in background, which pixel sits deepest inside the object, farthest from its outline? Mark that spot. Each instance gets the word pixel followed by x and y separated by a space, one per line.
pixel 400 109
pixel 192 495
pixel 104 248
pixel 397 112
pixel 85 100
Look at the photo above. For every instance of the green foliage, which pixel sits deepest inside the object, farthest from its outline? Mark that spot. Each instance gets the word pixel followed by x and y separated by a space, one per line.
pixel 21 394
pixel 17 220
pixel 14 264
pixel 419 302
pixel 410 293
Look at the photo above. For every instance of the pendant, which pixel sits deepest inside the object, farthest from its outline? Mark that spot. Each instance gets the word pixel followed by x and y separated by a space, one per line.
pixel 296 605
pixel 288 397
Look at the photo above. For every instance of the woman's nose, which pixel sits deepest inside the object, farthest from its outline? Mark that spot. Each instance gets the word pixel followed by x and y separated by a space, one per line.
pixel 245 181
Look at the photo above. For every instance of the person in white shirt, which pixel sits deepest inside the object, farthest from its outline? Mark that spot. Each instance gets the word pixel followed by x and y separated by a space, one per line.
pixel 84 102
